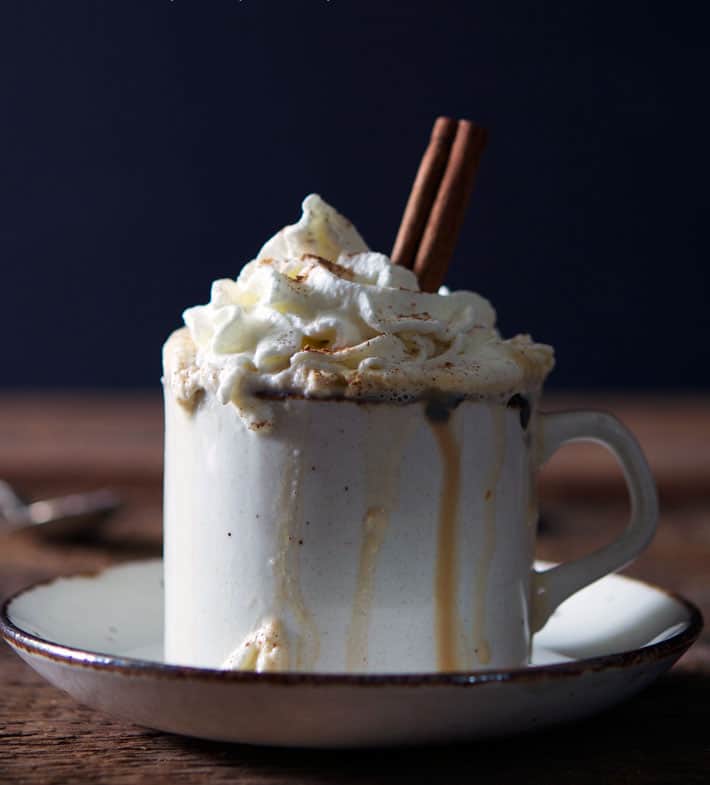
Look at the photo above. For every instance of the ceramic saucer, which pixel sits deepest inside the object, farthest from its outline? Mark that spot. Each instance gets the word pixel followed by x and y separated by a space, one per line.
pixel 99 638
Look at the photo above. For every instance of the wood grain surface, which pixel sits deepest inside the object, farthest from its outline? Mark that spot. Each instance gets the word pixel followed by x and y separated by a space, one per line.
pixel 68 443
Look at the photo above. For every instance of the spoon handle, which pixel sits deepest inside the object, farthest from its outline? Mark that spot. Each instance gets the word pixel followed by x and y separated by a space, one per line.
pixel 63 508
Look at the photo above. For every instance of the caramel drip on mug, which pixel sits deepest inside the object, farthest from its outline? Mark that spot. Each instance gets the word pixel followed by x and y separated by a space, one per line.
pixel 287 566
pixel 382 472
pixel 482 569
pixel 446 577
pixel 374 526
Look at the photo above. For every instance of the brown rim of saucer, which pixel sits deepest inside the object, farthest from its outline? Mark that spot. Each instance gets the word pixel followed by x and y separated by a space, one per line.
pixel 671 647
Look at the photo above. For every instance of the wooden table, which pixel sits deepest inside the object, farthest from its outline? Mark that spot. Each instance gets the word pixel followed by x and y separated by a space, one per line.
pixel 67 443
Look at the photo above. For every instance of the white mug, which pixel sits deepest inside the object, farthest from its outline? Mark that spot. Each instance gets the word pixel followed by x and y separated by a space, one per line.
pixel 372 537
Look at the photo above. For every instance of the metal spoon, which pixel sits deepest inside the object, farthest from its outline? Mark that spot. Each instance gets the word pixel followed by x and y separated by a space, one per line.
pixel 65 516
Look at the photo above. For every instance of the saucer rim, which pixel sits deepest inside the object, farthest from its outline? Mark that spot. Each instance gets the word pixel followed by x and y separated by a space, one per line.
pixel 672 647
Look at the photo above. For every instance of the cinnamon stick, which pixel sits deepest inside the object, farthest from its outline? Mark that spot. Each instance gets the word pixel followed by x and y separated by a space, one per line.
pixel 436 207
pixel 443 226
pixel 424 191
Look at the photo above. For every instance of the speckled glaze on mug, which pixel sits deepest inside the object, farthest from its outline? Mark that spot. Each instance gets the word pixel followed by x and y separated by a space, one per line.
pixel 371 537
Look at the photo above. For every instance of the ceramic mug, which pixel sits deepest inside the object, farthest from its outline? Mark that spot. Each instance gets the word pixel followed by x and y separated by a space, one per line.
pixel 374 537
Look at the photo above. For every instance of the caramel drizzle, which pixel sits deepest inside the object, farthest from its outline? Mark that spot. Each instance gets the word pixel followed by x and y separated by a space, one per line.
pixel 446 577
pixel 382 473
pixel 289 595
pixel 374 527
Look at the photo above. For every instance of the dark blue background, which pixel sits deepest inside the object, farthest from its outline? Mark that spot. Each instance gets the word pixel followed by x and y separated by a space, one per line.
pixel 147 148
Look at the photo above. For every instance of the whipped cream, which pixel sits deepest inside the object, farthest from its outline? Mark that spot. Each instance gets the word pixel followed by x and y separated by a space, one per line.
pixel 318 314
pixel 266 649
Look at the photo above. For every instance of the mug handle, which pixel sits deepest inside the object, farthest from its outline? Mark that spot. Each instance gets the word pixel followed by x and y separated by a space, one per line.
pixel 553 586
